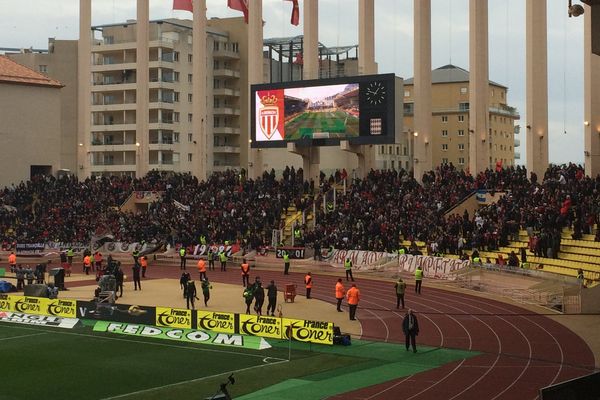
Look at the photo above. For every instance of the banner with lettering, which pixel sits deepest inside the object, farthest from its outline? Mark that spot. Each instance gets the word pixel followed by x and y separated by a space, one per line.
pixel 308 330
pixel 38 305
pixel 215 321
pixel 202 250
pixel 433 267
pixel 256 325
pixel 174 317
pixel 30 249
pixel 361 259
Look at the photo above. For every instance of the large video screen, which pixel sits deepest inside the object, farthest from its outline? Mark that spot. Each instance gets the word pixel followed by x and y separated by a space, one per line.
pixel 323 112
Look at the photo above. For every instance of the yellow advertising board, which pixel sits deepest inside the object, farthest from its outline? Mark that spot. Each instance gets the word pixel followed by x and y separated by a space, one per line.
pixel 308 331
pixel 173 317
pixel 216 321
pixel 260 326
pixel 65 308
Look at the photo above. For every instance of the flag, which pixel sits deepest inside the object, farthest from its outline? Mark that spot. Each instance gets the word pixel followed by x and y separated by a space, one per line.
pixel 185 5
pixel 299 59
pixel 295 20
pixel 240 5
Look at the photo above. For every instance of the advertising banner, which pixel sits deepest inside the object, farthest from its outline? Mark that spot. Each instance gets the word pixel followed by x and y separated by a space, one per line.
pixel 308 331
pixel 215 321
pixel 174 317
pixel 39 320
pixel 183 335
pixel 202 250
pixel 116 312
pixel 433 267
pixel 30 249
pixel 38 305
pixel 260 326
pixel 361 260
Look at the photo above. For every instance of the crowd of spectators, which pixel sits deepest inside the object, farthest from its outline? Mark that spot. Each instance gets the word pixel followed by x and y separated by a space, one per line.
pixel 375 213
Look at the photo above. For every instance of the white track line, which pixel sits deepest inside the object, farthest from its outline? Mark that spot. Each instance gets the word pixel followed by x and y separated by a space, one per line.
pixel 190 381
pixel 22 336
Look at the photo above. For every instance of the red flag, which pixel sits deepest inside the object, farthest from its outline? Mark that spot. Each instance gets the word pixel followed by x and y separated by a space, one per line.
pixel 299 59
pixel 240 5
pixel 295 20
pixel 185 5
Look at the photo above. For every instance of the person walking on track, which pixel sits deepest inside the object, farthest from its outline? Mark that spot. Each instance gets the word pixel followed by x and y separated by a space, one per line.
pixel 410 326
pixel 206 286
pixel 309 283
pixel 245 267
pixel 353 297
pixel 137 282
pixel 418 279
pixel 272 296
pixel 400 286
pixel 348 267
pixel 202 269
pixel 340 293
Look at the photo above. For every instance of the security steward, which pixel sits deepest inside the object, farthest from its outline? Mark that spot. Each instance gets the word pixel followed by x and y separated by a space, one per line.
pixel 12 261
pixel 348 267
pixel 353 297
pixel 223 258
pixel 400 287
pixel 144 264
pixel 340 292
pixel 418 279
pixel 286 263
pixel 245 267
pixel 202 269
pixel 309 283
pixel 211 260
pixel 182 260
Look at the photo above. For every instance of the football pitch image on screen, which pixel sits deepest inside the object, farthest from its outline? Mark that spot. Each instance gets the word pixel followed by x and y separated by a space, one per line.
pixel 322 112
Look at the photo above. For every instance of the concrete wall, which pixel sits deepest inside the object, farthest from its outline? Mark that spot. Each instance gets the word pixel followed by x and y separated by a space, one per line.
pixel 30 130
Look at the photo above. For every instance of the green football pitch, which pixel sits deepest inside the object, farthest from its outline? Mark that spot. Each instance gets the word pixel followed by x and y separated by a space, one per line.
pixel 337 123
pixel 51 363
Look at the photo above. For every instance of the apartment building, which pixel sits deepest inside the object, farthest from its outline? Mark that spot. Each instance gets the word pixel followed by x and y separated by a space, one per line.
pixel 450 119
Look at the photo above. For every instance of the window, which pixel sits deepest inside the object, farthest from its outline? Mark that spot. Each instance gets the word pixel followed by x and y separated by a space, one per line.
pixel 409 108
pixel 461 132
pixel 190 116
pixel 444 118
pixel 190 157
pixel 190 57
pixel 176 97
pixel 461 118
pixel 397 150
pixel 190 137
pixel 444 133
pixel 391 152
pixel 216 84
pixel 216 102
pixel 43 69
pixel 461 146
pixel 407 93
pixel 235 47
pixel 464 106
pixel 176 76
pixel 492 92
pixel 444 161
pixel 189 78
pixel 463 90
pixel 190 97
pixel 176 56
pixel 175 117
pixel 216 46
pixel 382 150
pixel 216 141
pixel 445 147
pixel 215 64
pixel 392 164
pixel 175 137
pixel 461 161
pixel 217 122
pixel 404 150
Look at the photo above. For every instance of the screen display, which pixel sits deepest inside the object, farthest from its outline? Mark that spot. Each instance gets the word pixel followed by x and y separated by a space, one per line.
pixel 323 112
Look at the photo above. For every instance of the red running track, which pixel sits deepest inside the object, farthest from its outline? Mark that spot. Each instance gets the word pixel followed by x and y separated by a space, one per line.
pixel 521 351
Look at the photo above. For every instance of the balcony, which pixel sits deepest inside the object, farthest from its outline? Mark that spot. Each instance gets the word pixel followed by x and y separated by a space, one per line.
pixel 226 111
pixel 112 107
pixel 517 143
pixel 114 146
pixel 223 168
pixel 226 92
pixel 113 127
pixel 165 43
pixel 162 104
pixel 115 45
pixel 114 67
pixel 113 86
pixel 226 149
pixel 226 130
pixel 506 111
pixel 226 73
pixel 517 155
pixel 226 54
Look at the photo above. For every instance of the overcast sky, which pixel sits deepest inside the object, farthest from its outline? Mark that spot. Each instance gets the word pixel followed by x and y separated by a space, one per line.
pixel 31 22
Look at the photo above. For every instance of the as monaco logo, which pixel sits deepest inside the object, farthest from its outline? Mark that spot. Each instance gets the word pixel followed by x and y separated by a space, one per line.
pixel 269 115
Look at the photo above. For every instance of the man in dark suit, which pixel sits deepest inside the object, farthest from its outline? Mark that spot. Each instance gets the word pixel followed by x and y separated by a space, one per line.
pixel 410 326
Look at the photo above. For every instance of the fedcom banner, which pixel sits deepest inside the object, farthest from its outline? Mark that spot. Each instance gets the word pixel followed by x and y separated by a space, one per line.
pixel 308 331
pixel 39 305
pixel 173 317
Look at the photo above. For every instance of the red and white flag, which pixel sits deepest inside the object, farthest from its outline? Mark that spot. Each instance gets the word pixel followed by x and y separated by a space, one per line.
pixel 240 5
pixel 295 20
pixel 185 5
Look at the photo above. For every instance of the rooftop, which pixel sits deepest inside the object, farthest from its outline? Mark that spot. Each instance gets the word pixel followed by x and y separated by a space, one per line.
pixel 450 74
pixel 15 73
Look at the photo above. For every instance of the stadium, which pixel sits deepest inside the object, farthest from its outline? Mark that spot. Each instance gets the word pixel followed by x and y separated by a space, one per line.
pixel 143 277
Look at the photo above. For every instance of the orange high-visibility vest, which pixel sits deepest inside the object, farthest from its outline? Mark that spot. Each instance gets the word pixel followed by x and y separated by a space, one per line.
pixel 308 281
pixel 353 296
pixel 87 261
pixel 12 259
pixel 245 269
pixel 144 262
pixel 339 290
pixel 201 265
